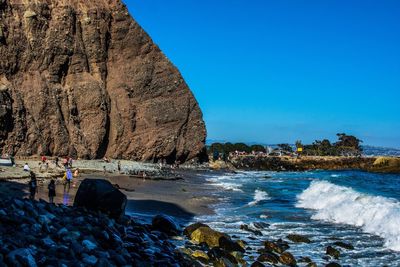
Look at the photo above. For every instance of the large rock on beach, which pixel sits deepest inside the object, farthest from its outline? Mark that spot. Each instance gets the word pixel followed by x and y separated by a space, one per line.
pixel 82 78
pixel 215 239
pixel 193 227
pixel 166 224
pixel 101 195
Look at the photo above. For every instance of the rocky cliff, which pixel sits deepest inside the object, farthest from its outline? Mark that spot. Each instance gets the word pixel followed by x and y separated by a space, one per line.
pixel 82 78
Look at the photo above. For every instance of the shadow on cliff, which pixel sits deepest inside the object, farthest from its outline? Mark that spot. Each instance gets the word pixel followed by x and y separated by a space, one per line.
pixel 154 207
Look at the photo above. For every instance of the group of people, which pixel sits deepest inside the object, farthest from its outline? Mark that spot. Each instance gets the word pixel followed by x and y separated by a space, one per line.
pixel 67 178
pixel 33 187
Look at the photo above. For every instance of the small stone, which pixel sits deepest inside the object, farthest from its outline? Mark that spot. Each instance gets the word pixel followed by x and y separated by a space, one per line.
pixel 48 242
pixel 63 231
pixel 89 260
pixel 89 244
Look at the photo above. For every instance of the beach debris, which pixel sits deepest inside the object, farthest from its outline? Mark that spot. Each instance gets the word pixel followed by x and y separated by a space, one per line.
pixel 101 195
pixel 298 238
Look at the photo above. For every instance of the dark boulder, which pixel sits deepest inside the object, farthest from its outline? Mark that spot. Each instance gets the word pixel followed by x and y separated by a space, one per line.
pixel 269 257
pixel 333 264
pixel 245 227
pixel 228 244
pixel 275 246
pixel 287 258
pixel 101 195
pixel 165 224
pixel 298 238
pixel 331 251
pixel 257 264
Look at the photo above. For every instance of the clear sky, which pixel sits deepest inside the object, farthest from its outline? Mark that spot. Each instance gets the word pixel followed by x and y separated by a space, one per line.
pixel 278 71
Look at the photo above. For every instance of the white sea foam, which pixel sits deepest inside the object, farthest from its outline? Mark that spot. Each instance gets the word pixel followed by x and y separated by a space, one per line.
pixel 338 204
pixel 222 183
pixel 259 195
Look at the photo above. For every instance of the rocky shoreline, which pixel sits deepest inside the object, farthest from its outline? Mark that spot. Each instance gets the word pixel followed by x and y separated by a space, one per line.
pixel 36 233
pixel 307 163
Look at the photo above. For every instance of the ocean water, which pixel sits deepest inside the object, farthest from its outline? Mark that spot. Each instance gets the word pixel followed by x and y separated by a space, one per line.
pixel 355 207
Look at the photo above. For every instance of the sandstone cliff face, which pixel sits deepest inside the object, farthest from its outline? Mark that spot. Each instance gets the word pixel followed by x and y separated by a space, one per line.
pixel 82 78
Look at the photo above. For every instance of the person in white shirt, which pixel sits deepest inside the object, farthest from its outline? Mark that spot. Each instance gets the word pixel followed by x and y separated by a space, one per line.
pixel 26 167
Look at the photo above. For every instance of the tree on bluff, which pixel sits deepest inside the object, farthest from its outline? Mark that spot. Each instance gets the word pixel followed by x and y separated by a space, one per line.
pixel 347 145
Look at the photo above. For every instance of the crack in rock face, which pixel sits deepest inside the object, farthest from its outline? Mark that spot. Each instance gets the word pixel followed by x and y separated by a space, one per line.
pixel 82 78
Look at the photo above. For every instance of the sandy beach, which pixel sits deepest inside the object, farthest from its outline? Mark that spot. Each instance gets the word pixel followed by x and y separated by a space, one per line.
pixel 180 193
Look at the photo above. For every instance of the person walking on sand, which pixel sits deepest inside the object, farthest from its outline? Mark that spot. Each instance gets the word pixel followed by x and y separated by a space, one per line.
pixel 52 191
pixel 68 179
pixel 33 188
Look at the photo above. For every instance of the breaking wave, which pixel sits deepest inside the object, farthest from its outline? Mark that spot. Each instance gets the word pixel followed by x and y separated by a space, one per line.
pixel 338 204
pixel 259 196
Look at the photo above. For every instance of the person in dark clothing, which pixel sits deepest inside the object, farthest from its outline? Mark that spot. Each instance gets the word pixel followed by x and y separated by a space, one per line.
pixel 119 166
pixel 33 188
pixel 52 191
pixel 56 161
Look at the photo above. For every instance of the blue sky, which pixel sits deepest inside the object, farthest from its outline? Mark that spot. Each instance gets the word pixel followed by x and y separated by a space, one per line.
pixel 278 71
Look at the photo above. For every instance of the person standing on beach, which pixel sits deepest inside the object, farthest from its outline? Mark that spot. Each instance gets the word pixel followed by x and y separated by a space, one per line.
pixel 26 167
pixel 56 161
pixel 119 166
pixel 52 191
pixel 68 179
pixel 33 188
